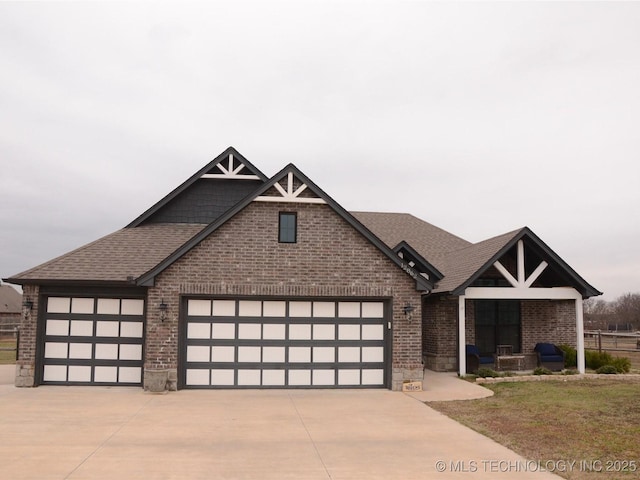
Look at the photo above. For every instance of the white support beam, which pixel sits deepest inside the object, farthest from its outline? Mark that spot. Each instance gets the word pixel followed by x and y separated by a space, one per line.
pixel 282 191
pixel 521 293
pixel 462 337
pixel 536 273
pixel 521 273
pixel 505 273
pixel 580 335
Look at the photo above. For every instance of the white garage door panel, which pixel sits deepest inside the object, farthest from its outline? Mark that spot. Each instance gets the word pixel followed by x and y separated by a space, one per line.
pixel 93 341
pixel 278 343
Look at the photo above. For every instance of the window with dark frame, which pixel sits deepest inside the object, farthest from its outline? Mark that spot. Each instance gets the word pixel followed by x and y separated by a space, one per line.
pixel 497 322
pixel 288 227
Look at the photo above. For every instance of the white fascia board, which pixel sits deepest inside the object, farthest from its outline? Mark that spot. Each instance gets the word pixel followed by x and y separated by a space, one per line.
pixel 230 176
pixel 289 199
pixel 508 293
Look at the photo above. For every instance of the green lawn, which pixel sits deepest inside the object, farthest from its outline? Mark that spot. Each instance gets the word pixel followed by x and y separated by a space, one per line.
pixel 595 423
pixel 7 357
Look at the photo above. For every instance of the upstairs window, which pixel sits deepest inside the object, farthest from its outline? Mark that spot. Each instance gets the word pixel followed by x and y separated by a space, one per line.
pixel 288 227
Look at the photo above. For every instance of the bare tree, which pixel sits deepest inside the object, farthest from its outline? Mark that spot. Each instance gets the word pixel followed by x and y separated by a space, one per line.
pixel 598 314
pixel 627 310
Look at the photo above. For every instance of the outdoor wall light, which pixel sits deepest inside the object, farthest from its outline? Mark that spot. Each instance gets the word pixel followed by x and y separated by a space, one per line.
pixel 163 310
pixel 27 305
pixel 408 310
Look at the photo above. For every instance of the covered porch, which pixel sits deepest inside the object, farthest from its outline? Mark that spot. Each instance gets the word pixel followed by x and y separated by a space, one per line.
pixel 513 296
pixel 492 322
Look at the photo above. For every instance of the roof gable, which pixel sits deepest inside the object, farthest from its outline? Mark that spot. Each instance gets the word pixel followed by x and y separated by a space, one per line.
pixel 292 186
pixel 520 257
pixel 418 262
pixel 208 193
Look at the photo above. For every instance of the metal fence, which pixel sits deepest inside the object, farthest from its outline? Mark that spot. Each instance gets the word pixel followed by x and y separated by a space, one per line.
pixel 623 342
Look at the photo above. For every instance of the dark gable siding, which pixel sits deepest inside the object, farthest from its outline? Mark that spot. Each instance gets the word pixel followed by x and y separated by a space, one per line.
pixel 204 201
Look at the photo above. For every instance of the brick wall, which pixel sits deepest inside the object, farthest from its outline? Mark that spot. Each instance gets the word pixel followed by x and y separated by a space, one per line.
pixel 243 258
pixel 548 321
pixel 440 333
pixel 26 364
pixel 542 321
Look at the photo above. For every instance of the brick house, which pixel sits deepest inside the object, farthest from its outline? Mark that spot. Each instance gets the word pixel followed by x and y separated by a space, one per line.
pixel 236 280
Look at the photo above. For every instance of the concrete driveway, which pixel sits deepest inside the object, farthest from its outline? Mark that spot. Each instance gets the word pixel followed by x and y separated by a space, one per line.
pixel 124 433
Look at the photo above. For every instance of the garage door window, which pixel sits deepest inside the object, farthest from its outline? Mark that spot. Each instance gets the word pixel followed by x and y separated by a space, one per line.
pixel 284 344
pixel 93 341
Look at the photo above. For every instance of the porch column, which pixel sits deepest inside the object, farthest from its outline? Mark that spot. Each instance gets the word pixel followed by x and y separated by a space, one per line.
pixel 462 340
pixel 580 335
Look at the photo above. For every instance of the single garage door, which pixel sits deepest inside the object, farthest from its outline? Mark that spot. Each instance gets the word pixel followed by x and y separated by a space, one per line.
pixel 93 341
pixel 284 344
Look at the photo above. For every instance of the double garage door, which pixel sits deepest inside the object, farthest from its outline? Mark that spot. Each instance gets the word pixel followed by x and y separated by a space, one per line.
pixel 234 343
pixel 93 341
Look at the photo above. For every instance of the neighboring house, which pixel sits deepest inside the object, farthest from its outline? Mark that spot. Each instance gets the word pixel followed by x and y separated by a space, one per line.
pixel 236 280
pixel 10 308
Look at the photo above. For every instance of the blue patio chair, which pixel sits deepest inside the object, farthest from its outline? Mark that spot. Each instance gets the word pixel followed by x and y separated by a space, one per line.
pixel 549 356
pixel 475 360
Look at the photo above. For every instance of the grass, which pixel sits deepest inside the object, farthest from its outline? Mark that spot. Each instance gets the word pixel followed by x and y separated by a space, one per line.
pixel 7 357
pixel 584 421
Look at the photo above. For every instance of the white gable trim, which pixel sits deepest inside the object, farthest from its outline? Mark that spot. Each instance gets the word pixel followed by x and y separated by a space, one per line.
pixel 232 173
pixel 521 281
pixel 289 195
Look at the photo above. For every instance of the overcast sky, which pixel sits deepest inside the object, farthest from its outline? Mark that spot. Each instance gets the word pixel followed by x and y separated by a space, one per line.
pixel 477 117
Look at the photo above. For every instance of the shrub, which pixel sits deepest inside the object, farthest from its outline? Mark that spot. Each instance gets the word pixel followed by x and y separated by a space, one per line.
pixel 595 360
pixel 622 364
pixel 607 369
pixel 542 371
pixel 570 355
pixel 570 371
pixel 485 372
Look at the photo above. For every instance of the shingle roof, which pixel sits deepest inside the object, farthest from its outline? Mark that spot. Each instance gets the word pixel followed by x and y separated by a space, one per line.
pixel 460 265
pixel 459 261
pixel 432 242
pixel 128 252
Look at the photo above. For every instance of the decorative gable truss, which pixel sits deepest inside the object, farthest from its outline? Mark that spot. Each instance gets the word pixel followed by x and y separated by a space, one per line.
pixel 533 285
pixel 521 281
pixel 290 189
pixel 231 168
pixel 569 286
